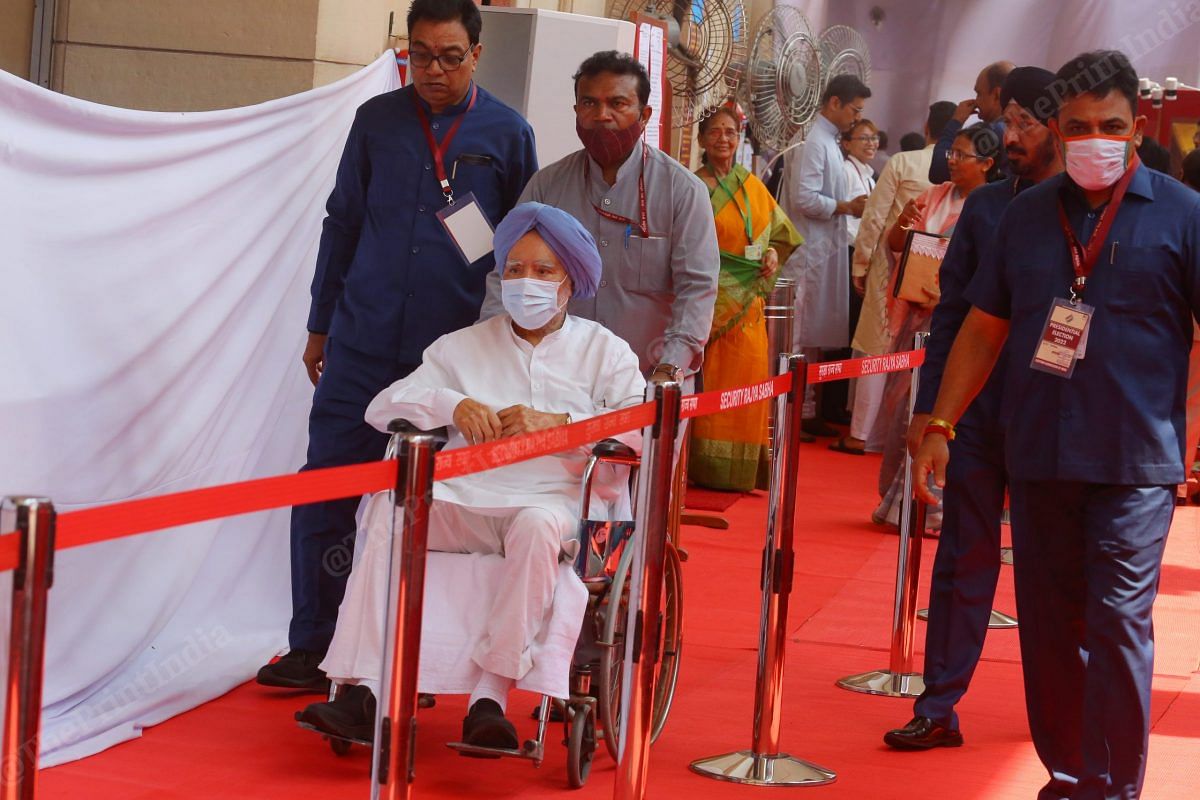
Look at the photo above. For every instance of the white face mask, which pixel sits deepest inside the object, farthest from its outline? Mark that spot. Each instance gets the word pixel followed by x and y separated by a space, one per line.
pixel 530 302
pixel 1096 162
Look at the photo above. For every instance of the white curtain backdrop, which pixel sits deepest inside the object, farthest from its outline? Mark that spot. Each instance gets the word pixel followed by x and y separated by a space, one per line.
pixel 929 50
pixel 155 271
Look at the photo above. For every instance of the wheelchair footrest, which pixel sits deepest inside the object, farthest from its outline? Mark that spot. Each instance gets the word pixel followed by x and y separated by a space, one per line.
pixel 530 752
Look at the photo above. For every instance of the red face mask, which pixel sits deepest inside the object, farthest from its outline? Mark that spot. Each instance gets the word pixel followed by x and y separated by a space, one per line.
pixel 609 147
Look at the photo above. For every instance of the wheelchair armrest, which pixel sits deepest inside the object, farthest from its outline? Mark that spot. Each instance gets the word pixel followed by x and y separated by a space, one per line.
pixel 400 425
pixel 612 450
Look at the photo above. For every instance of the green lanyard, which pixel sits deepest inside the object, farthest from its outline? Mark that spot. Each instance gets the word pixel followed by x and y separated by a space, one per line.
pixel 747 215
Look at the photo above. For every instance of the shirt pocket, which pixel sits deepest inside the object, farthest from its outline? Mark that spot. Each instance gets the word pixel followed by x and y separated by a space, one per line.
pixel 479 174
pixel 648 264
pixel 1141 280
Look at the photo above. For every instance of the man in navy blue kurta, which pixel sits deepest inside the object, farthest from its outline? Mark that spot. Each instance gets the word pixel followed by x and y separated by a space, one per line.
pixel 390 280
pixel 1093 455
pixel 967 564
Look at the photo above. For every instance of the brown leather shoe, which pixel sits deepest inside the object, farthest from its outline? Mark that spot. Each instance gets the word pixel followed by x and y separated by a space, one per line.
pixel 922 733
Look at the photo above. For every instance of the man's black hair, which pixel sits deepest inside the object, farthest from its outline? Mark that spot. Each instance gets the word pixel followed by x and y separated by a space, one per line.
pixel 464 11
pixel 987 145
pixel 1191 169
pixel 940 113
pixel 912 141
pixel 615 63
pixel 846 88
pixel 1097 73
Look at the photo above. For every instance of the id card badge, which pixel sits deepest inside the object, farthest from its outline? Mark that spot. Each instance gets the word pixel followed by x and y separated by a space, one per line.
pixel 468 227
pixel 1064 338
pixel 754 252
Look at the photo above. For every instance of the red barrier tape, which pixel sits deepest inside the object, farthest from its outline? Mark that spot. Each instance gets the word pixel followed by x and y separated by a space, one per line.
pixel 857 367
pixel 466 460
pixel 116 520
pixel 701 405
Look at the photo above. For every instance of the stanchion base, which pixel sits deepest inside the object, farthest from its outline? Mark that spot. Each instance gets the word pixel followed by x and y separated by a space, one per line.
pixel 997 621
pixel 887 684
pixel 1006 556
pixel 756 770
pixel 1001 620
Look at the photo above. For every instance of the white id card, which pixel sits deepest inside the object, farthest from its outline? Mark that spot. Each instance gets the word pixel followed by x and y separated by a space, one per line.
pixel 754 252
pixel 468 227
pixel 1063 338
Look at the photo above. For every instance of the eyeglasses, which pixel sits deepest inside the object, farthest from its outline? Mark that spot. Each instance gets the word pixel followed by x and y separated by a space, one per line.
pixel 447 61
pixel 871 139
pixel 959 155
pixel 1021 124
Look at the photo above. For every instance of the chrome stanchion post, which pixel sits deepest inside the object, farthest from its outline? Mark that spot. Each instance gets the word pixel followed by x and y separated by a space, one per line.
pixel 764 764
pixel 645 592
pixel 396 715
pixel 35 518
pixel 899 680
pixel 780 315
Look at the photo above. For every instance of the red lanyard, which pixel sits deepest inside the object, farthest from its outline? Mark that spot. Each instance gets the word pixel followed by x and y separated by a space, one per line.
pixel 643 226
pixel 1084 258
pixel 439 151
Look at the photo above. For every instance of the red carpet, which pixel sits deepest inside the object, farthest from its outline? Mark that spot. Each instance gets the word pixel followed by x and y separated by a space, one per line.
pixel 245 745
pixel 698 499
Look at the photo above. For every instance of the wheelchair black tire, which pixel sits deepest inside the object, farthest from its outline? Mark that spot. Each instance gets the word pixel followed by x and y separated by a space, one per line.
pixel 613 633
pixel 581 745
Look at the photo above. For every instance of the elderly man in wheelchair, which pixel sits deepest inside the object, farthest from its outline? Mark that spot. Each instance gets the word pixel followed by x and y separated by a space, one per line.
pixel 534 368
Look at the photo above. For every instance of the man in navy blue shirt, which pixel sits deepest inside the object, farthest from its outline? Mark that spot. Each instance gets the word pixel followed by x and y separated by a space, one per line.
pixel 390 280
pixel 987 104
pixel 967 564
pixel 1094 281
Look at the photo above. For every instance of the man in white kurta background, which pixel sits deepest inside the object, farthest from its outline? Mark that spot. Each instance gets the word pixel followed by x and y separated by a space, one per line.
pixel 815 200
pixel 532 368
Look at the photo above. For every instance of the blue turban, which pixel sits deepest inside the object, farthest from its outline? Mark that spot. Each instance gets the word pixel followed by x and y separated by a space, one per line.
pixel 570 241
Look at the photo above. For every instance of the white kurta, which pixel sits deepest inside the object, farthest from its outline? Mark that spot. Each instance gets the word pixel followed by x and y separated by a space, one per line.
pixel 582 369
pixel 814 183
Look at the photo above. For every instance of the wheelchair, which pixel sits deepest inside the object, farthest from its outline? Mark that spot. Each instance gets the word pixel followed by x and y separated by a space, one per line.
pixel 591 712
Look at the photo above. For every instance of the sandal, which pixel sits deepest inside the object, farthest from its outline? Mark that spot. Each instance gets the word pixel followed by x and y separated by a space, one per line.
pixel 840 446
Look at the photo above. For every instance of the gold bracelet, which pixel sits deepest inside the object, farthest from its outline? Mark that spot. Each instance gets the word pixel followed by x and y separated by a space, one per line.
pixel 942 425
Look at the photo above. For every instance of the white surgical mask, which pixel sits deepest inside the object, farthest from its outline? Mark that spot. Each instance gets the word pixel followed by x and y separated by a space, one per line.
pixel 1097 162
pixel 530 302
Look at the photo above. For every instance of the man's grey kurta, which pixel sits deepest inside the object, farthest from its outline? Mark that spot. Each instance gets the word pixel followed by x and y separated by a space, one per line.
pixel 814 182
pixel 655 293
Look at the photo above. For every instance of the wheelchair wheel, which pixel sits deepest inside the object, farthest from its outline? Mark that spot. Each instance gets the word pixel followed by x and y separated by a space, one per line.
pixel 581 745
pixel 615 611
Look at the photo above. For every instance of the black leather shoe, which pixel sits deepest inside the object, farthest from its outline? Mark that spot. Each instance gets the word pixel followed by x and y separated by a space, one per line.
pixel 296 670
pixel 485 726
pixel 350 716
pixel 819 427
pixel 922 734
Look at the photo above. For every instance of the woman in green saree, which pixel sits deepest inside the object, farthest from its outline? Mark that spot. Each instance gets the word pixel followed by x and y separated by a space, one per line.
pixel 729 450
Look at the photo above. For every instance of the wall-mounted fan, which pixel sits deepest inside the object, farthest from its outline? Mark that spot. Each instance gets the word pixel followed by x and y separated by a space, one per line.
pixel 844 52
pixel 706 51
pixel 782 88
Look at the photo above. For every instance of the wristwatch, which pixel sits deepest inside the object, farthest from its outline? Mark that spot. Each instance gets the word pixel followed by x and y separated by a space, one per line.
pixel 673 371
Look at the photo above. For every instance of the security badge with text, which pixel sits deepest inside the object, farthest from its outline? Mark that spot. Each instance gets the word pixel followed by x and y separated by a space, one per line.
pixel 1064 338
